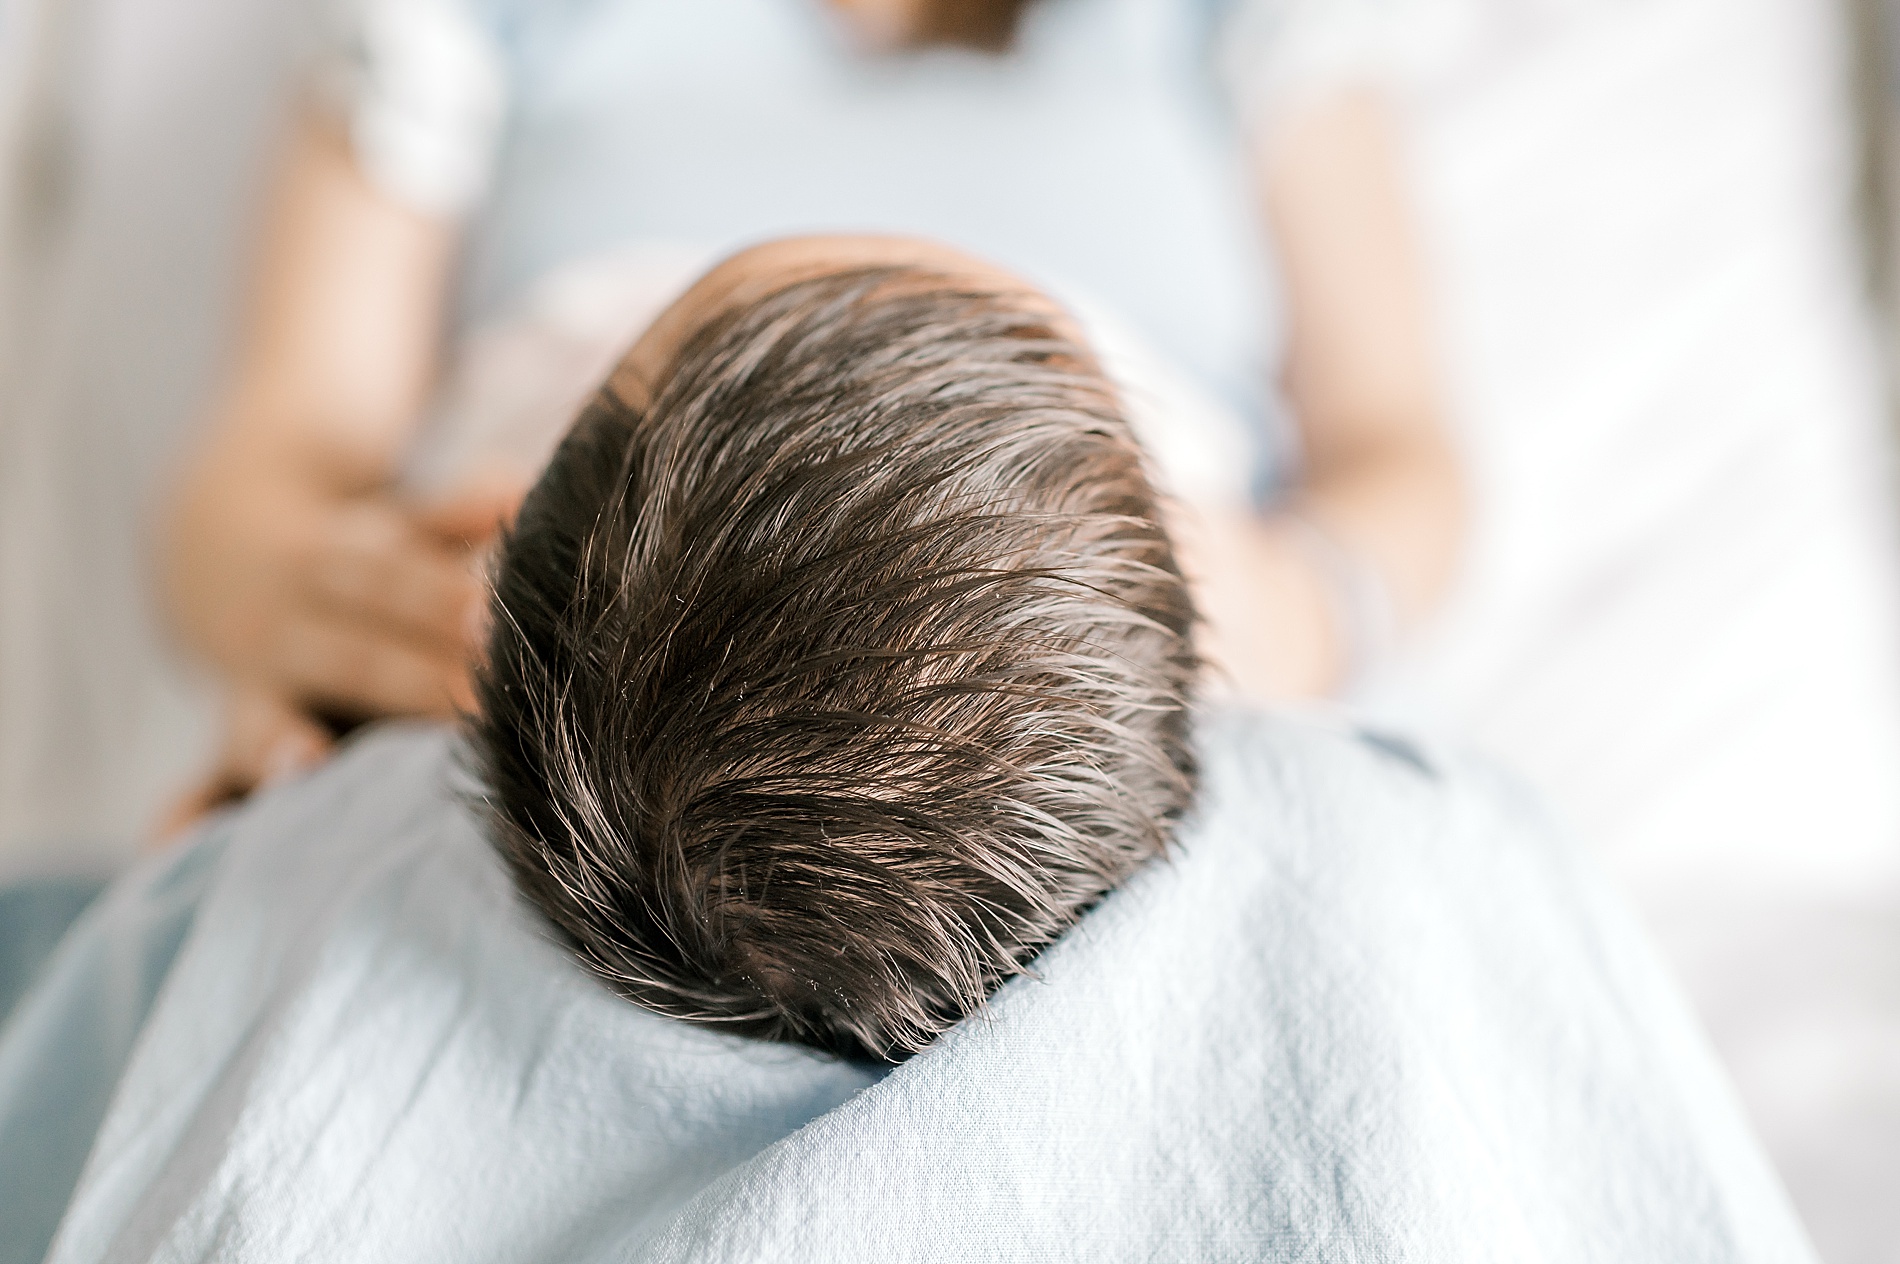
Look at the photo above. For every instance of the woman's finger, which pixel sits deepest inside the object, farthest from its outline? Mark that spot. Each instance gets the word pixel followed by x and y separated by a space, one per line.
pixel 473 516
pixel 362 669
pixel 375 568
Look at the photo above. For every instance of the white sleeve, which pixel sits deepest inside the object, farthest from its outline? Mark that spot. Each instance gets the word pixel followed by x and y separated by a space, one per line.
pixel 421 89
pixel 1278 54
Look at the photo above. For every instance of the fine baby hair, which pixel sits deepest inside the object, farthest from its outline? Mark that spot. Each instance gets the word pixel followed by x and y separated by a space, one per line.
pixel 831 686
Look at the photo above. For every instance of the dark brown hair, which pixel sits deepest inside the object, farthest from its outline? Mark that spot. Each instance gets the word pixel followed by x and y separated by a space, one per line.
pixel 827 690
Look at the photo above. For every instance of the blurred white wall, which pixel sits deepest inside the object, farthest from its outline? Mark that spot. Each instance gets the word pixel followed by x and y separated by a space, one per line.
pixel 125 200
pixel 1680 615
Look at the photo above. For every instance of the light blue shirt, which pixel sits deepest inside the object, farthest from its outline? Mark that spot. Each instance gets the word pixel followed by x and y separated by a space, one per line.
pixel 1098 154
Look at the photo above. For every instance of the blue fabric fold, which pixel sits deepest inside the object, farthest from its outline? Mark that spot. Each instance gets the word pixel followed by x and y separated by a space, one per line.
pixel 65 1045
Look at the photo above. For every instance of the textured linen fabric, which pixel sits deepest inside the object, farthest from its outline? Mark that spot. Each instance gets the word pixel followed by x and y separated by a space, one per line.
pixel 1370 1010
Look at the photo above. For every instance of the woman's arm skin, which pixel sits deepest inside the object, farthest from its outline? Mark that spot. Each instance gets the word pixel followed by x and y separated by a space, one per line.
pixel 288 561
pixel 1381 478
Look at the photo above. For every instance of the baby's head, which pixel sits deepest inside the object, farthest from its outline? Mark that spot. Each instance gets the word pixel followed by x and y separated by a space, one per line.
pixel 840 661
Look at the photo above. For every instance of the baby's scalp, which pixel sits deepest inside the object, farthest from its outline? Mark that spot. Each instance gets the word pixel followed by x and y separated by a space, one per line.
pixel 845 669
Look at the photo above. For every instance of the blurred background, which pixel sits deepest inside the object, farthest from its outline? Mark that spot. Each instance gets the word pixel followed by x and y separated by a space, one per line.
pixel 1661 241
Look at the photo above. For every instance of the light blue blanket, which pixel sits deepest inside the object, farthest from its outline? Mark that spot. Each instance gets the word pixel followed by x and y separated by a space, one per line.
pixel 1371 1012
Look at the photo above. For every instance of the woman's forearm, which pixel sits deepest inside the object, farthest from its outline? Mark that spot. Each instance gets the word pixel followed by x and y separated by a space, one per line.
pixel 342 334
pixel 1398 506
pixel 1373 532
pixel 287 561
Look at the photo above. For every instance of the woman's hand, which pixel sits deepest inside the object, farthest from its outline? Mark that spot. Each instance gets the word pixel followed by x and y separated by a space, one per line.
pixel 318 605
pixel 289 563
pixel 342 601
